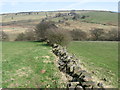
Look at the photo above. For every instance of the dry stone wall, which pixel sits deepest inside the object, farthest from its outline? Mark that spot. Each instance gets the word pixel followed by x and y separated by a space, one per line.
pixel 69 64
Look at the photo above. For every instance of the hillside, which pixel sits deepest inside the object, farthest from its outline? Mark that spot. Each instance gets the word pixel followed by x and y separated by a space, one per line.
pixel 16 23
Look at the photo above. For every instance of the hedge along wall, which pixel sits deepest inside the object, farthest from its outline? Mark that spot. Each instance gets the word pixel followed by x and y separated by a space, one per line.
pixel 70 65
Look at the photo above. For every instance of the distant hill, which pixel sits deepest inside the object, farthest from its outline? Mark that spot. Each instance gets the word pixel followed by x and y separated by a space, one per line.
pixel 104 17
pixel 15 23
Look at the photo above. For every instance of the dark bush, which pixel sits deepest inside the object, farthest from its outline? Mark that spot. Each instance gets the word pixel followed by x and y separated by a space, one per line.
pixel 30 35
pixel 76 17
pixel 113 35
pixel 78 35
pixel 101 35
pixel 42 27
pixel 20 37
pixel 27 36
pixel 96 34
pixel 58 15
pixel 58 36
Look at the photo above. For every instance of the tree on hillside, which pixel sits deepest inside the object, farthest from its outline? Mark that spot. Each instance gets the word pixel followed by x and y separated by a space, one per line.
pixel 20 37
pixel 41 29
pixel 113 35
pixel 96 33
pixel 76 17
pixel 30 35
pixel 78 35
pixel 58 36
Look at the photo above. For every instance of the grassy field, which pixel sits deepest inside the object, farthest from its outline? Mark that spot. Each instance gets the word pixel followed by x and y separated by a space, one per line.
pixel 101 58
pixel 29 65
pixel 102 17
pixel 23 16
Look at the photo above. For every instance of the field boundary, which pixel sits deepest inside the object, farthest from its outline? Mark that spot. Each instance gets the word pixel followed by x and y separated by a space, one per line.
pixel 78 77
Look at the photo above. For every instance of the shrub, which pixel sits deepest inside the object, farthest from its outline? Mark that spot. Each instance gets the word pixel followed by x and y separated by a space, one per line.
pixel 27 36
pixel 58 36
pixel 76 17
pixel 99 34
pixel 20 37
pixel 78 35
pixel 58 15
pixel 96 34
pixel 3 36
pixel 41 29
pixel 113 35
pixel 30 35
pixel 83 17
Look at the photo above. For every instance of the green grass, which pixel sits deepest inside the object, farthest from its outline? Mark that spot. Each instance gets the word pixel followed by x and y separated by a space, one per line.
pixel 23 63
pixel 8 18
pixel 95 17
pixel 102 17
pixel 100 57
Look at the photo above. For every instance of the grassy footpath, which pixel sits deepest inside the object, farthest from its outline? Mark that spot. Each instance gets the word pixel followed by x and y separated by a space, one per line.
pixel 29 65
pixel 100 57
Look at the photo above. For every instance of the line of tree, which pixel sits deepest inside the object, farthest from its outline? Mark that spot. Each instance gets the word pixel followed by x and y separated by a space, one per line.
pixel 98 34
pixel 48 31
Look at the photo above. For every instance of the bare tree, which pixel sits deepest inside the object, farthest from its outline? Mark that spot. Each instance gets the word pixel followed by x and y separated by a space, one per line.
pixel 96 33
pixel 41 29
pixel 58 36
pixel 78 35
pixel 113 35
pixel 20 37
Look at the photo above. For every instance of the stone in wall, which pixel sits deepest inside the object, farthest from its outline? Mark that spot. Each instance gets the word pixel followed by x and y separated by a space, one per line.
pixel 70 65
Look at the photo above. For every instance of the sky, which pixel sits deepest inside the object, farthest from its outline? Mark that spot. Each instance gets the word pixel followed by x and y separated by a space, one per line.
pixel 14 6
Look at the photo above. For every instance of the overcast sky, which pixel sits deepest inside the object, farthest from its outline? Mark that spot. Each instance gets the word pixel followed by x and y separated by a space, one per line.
pixel 7 6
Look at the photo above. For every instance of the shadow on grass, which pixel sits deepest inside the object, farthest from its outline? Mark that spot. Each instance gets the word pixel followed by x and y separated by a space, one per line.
pixel 45 44
pixel 38 41
pixel 41 43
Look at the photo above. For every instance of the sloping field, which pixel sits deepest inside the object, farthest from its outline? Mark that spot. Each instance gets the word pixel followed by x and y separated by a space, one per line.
pixel 102 17
pixel 13 31
pixel 16 23
pixel 85 26
pixel 100 58
pixel 29 65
